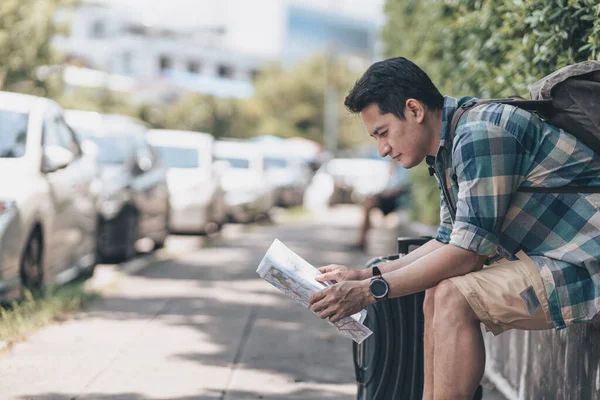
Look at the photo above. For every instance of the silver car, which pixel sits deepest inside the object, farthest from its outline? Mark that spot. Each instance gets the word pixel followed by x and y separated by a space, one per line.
pixel 134 200
pixel 47 199
pixel 197 199
pixel 248 193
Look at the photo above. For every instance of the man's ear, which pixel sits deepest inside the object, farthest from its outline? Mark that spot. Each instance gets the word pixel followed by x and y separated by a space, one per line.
pixel 415 109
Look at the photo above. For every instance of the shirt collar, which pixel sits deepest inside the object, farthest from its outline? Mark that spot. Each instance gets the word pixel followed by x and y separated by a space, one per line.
pixel 450 106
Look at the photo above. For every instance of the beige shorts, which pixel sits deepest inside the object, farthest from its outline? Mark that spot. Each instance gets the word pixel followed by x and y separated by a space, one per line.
pixel 507 295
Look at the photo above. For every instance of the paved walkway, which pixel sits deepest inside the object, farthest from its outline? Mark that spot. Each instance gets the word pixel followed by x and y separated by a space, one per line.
pixel 198 323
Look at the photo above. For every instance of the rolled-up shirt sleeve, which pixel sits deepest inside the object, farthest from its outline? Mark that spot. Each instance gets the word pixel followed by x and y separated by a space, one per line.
pixel 488 162
pixel 445 228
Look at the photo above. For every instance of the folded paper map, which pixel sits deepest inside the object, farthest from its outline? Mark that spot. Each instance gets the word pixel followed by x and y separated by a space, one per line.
pixel 295 277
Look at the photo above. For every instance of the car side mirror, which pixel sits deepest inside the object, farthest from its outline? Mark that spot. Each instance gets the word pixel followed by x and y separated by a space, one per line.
pixel 55 158
pixel 144 164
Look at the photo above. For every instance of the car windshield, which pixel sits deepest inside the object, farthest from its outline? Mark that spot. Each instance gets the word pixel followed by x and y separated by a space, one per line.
pixel 112 150
pixel 13 134
pixel 242 163
pixel 272 162
pixel 178 157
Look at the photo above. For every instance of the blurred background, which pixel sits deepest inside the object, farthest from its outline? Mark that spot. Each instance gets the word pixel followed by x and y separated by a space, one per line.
pixel 124 123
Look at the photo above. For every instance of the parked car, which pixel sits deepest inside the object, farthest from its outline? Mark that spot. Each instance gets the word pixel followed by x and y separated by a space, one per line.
pixel 248 194
pixel 47 204
pixel 288 174
pixel 197 199
pixel 134 200
pixel 346 180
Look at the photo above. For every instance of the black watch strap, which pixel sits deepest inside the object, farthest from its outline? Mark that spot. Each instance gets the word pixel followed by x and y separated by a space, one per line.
pixel 376 271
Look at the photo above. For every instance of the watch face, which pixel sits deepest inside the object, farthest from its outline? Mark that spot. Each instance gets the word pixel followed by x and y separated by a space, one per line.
pixel 378 288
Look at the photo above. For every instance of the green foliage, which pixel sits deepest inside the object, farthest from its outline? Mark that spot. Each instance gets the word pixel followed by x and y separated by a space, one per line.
pixel 488 48
pixel 57 302
pixel 100 100
pixel 26 29
pixel 201 113
pixel 290 102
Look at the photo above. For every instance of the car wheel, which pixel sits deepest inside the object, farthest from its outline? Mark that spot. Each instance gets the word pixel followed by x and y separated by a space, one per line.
pixel 31 269
pixel 125 249
pixel 160 243
pixel 131 236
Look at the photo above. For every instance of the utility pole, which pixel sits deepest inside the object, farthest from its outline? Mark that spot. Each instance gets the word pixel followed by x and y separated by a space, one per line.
pixel 330 113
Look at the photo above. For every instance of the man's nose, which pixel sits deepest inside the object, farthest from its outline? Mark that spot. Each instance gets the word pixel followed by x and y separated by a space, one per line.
pixel 383 147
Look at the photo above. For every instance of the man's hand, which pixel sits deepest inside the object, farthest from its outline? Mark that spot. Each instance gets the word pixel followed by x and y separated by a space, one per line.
pixel 341 300
pixel 339 273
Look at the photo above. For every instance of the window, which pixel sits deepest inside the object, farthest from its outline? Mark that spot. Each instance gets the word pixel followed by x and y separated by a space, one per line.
pixel 114 150
pixel 274 162
pixel 178 157
pixel 13 139
pixel 239 163
pixel 57 133
pixel 193 67
pixel 68 136
pixel 225 71
pixel 98 30
pixel 165 64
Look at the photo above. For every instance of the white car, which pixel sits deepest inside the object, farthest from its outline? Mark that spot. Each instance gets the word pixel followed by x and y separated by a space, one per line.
pixel 248 193
pixel 287 173
pixel 346 180
pixel 197 200
pixel 47 199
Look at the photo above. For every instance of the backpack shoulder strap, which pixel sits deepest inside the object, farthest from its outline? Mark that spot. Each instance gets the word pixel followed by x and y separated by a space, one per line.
pixel 543 107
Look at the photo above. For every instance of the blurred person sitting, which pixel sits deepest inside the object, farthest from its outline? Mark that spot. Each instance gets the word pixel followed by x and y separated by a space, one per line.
pixel 387 201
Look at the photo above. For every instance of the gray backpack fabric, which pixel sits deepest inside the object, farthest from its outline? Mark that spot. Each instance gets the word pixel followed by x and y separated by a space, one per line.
pixel 569 99
pixel 575 94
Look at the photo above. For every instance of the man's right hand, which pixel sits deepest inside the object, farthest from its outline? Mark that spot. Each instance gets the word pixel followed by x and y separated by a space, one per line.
pixel 340 273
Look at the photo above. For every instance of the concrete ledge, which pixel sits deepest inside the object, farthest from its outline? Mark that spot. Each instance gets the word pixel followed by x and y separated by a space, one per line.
pixel 546 364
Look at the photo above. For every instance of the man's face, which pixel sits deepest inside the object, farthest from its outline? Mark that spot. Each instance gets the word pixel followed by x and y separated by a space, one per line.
pixel 402 140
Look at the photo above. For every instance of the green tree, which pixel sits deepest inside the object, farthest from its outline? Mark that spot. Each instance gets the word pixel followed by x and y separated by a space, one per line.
pixel 200 113
pixel 290 102
pixel 26 30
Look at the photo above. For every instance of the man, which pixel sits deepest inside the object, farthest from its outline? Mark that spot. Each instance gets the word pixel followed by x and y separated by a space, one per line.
pixel 387 201
pixel 550 274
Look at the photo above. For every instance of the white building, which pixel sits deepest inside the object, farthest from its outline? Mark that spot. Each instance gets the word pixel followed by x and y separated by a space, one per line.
pixel 162 49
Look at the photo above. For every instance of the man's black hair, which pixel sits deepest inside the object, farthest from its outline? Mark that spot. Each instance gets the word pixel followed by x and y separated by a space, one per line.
pixel 389 83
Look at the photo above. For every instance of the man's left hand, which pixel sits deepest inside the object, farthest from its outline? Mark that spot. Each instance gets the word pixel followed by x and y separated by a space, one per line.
pixel 341 300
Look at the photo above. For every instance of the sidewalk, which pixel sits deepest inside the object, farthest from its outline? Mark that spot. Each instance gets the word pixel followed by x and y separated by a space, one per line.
pixel 198 323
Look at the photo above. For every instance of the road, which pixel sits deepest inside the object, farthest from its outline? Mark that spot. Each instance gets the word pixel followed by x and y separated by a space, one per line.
pixel 197 323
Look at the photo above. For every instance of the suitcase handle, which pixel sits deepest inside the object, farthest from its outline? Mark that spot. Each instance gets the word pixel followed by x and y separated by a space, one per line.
pixel 405 242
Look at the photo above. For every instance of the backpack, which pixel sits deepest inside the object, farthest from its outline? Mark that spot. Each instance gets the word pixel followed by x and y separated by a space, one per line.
pixel 568 99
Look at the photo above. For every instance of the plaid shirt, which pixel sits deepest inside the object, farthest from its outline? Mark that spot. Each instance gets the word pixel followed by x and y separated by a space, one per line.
pixel 498 148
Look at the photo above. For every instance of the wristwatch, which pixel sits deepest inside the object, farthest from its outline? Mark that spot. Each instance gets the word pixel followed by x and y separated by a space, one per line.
pixel 378 287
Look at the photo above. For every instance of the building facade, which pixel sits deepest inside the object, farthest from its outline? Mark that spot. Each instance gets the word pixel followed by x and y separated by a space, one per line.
pixel 160 61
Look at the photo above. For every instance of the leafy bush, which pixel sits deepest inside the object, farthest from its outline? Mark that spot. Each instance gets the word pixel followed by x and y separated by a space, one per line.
pixel 488 48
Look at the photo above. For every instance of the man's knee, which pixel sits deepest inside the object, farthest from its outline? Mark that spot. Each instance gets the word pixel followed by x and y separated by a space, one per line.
pixel 429 303
pixel 450 304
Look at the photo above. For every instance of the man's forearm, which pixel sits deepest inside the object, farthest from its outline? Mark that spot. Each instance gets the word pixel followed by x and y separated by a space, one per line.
pixel 390 266
pixel 445 262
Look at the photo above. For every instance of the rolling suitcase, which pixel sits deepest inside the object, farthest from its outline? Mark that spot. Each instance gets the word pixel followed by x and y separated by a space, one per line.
pixel 389 364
